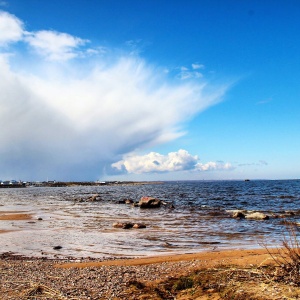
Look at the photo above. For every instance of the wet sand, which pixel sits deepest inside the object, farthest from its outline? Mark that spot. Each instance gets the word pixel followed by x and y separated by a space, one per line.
pixel 14 216
pixel 5 231
pixel 238 257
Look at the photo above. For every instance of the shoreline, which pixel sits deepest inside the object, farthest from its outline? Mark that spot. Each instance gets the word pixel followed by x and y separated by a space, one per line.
pixel 31 219
pixel 243 256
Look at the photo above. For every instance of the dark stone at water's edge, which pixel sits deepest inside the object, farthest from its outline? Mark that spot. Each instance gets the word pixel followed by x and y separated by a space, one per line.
pixel 57 247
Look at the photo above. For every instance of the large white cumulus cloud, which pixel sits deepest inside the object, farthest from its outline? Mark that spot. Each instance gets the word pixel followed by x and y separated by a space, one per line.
pixel 172 162
pixel 69 120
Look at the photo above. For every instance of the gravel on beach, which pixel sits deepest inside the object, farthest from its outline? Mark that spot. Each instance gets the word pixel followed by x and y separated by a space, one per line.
pixel 36 278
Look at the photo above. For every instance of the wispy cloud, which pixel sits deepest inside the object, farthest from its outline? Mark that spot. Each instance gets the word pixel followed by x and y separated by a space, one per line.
pixel 190 72
pixel 265 101
pixel 172 162
pixel 71 120
pixel 214 166
pixel 55 45
pixel 197 66
pixel 259 163
pixel 136 47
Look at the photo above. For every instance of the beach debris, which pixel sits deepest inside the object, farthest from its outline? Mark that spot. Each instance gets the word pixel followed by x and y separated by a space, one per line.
pixel 149 202
pixel 40 290
pixel 40 219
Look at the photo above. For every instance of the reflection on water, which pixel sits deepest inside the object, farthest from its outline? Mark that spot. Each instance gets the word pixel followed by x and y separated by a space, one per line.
pixel 200 221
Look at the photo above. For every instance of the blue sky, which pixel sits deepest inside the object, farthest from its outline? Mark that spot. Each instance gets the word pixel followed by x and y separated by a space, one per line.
pixel 149 90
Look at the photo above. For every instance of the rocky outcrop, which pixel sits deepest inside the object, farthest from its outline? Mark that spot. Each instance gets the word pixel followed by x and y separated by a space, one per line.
pixel 149 202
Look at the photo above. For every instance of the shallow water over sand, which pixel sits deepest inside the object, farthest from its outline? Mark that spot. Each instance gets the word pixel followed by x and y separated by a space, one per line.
pixel 200 221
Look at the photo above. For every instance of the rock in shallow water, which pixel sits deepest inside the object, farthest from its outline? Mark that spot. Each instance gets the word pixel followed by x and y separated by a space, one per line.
pixel 257 216
pixel 57 247
pixel 242 214
pixel 238 215
pixel 149 202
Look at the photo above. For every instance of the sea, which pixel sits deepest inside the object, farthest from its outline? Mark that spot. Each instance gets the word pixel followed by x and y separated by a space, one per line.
pixel 197 217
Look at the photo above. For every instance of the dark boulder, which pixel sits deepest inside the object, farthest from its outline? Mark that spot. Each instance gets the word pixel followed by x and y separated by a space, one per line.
pixel 127 225
pixel 57 247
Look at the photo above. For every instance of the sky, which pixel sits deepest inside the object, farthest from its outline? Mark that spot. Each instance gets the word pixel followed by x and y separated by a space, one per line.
pixel 149 90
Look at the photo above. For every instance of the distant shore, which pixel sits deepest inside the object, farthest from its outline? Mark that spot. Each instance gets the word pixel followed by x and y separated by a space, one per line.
pixel 74 183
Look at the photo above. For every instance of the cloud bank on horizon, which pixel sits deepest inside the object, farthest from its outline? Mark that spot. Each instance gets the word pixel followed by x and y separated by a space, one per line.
pixel 172 162
pixel 69 110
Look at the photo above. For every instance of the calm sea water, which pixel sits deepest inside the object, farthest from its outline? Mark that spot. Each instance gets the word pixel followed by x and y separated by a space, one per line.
pixel 201 219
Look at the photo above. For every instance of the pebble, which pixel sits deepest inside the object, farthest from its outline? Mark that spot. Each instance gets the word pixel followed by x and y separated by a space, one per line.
pixel 105 282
